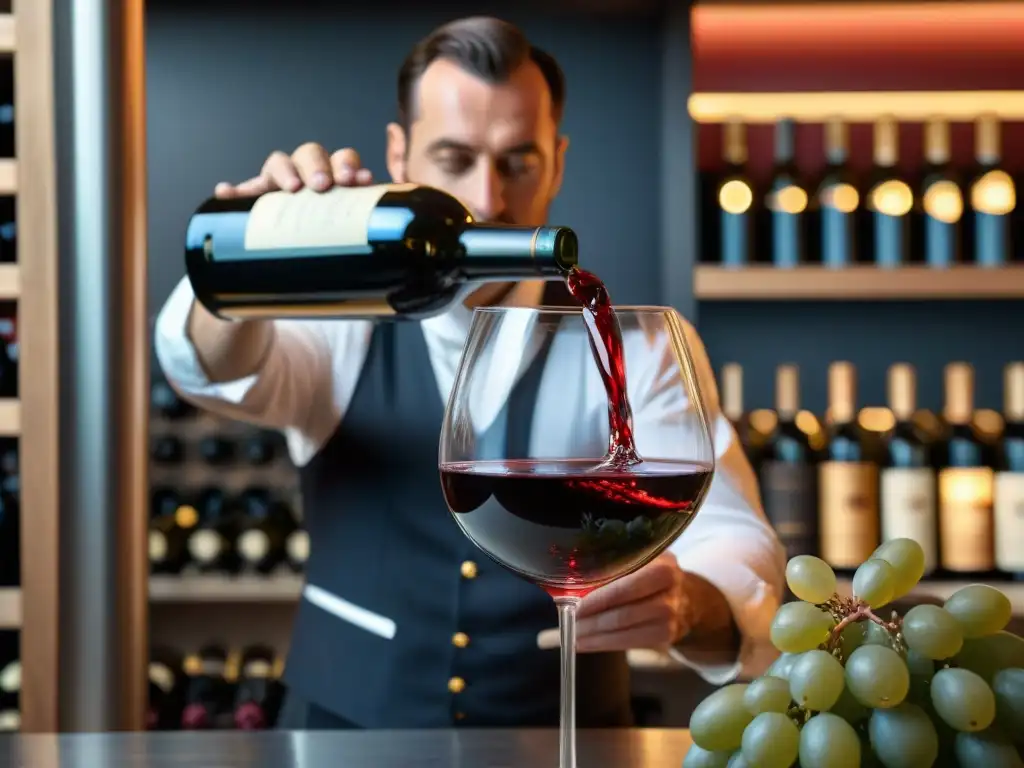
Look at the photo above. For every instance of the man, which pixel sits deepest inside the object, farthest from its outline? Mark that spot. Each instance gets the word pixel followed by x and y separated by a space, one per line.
pixel 390 633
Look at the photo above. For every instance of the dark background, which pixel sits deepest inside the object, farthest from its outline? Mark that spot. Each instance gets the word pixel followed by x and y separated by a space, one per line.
pixel 229 82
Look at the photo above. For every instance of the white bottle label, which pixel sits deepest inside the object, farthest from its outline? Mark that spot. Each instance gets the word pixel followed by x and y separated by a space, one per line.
pixel 157 547
pixel 298 546
pixel 908 501
pixel 339 217
pixel 10 720
pixel 1008 508
pixel 965 518
pixel 10 678
pixel 253 545
pixel 161 676
pixel 204 545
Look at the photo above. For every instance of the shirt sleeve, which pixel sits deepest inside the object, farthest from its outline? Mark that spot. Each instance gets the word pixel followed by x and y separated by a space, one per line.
pixel 730 543
pixel 292 391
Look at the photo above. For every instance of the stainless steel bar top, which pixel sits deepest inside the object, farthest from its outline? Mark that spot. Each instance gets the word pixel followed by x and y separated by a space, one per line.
pixel 462 748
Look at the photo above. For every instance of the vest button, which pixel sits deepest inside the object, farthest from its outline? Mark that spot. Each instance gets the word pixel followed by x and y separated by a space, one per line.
pixel 469 570
pixel 460 639
pixel 456 685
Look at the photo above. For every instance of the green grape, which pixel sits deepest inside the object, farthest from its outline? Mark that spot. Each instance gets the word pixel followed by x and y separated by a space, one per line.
pixel 848 708
pixel 816 680
pixel 717 723
pixel 980 609
pixel 989 749
pixel 874 582
pixel 827 741
pixel 767 694
pixel 771 740
pixel 736 761
pixel 800 627
pixel 1008 687
pixel 903 737
pixel 851 638
pixel 876 634
pixel 810 578
pixel 701 758
pixel 963 699
pixel 877 676
pixel 867 755
pixel 922 670
pixel 987 655
pixel 781 666
pixel 907 560
pixel 933 632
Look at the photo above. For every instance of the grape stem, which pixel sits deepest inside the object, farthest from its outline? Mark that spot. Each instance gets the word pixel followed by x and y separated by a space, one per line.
pixel 847 611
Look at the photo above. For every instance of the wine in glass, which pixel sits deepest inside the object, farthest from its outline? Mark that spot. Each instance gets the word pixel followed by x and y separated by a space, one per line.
pixel 543 464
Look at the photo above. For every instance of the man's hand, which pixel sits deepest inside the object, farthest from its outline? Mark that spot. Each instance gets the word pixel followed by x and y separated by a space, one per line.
pixel 308 166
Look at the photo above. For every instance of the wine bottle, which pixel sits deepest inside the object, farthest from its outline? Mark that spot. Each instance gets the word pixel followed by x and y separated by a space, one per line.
pixel 211 543
pixel 965 481
pixel 8 357
pixel 263 534
pixel 170 525
pixel 216 450
pixel 889 200
pixel 788 482
pixel 260 692
pixel 941 199
pixel 732 409
pixel 848 478
pixel 907 497
pixel 786 200
pixel 297 550
pixel 1008 496
pixel 167 449
pixel 372 252
pixel 837 200
pixel 208 689
pixel 261 449
pixel 7 131
pixel 8 230
pixel 735 196
pixel 164 401
pixel 10 694
pixel 166 690
pixel 993 197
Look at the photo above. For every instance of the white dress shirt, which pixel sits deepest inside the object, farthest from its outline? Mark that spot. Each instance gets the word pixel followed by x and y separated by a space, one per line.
pixel 309 377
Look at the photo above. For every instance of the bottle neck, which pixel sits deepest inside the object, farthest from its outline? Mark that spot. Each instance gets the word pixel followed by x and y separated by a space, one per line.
pixel 734 145
pixel 1013 395
pixel 498 252
pixel 836 142
pixel 986 140
pixel 732 392
pixel 959 394
pixel 886 143
pixel 785 142
pixel 902 392
pixel 842 393
pixel 936 142
pixel 787 392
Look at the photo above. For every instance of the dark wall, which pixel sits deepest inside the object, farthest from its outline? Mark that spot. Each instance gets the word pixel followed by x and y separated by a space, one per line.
pixel 230 82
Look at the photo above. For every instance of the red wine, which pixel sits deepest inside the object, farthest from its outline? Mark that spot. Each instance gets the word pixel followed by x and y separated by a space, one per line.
pixel 572 525
pixel 606 344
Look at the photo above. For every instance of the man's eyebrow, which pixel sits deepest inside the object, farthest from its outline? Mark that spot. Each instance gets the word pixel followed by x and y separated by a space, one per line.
pixel 441 145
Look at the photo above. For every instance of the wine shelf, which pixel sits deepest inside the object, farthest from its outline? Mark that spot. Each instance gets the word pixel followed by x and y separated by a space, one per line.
pixel 941 590
pixel 855 106
pixel 10 608
pixel 224 589
pixel 867 283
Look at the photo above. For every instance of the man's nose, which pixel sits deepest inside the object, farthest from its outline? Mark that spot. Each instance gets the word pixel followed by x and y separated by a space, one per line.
pixel 487 195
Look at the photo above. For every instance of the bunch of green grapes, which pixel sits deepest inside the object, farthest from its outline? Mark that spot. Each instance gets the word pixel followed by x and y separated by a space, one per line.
pixel 936 687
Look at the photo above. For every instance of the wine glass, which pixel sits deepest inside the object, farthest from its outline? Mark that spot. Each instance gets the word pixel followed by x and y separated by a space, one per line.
pixel 526 453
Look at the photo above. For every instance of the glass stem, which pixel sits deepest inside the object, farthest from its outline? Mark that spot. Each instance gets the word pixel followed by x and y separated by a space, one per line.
pixel 567 722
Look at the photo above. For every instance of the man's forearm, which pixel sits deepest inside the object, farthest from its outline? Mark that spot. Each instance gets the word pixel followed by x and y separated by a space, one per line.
pixel 227 350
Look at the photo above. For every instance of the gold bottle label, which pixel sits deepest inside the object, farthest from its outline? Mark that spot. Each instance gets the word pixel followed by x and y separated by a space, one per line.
pixel 848 501
pixel 965 518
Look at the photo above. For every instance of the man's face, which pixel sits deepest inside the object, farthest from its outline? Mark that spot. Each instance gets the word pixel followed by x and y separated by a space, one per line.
pixel 495 147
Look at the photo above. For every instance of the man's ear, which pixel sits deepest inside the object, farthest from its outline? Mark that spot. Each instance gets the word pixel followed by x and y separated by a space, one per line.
pixel 560 150
pixel 396 153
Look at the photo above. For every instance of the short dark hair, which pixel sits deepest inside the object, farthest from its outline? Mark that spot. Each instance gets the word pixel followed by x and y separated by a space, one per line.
pixel 489 48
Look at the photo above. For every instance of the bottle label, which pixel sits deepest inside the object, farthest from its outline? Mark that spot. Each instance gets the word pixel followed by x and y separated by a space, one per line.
pixel 791 505
pixel 298 547
pixel 991 239
pixel 205 545
pixel 965 518
pixel 1008 511
pixel 339 217
pixel 157 547
pixel 10 720
pixel 257 668
pixel 253 545
pixel 848 500
pixel 10 678
pixel 908 506
pixel 161 676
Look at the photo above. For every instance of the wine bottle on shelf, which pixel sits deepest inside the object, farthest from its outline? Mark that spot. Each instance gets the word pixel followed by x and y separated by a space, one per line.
pixel 297 550
pixel 788 481
pixel 216 450
pixel 1008 488
pixel 838 200
pixel 735 198
pixel 7 131
pixel 965 481
pixel 261 448
pixel 888 202
pixel 907 483
pixel 170 525
pixel 848 478
pixel 211 543
pixel 166 403
pixel 8 357
pixel 371 252
pixel 260 692
pixel 167 449
pixel 209 690
pixel 8 230
pixel 10 694
pixel 732 409
pixel 786 201
pixel 941 199
pixel 166 690
pixel 263 535
pixel 993 197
